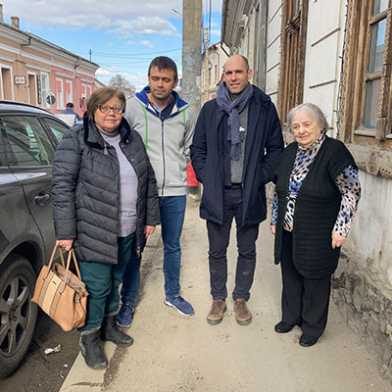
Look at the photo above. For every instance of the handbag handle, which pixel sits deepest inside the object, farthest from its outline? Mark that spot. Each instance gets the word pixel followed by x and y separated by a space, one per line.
pixel 51 260
pixel 71 256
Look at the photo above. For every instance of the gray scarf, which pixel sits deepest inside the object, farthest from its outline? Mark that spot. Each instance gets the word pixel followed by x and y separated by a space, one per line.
pixel 233 109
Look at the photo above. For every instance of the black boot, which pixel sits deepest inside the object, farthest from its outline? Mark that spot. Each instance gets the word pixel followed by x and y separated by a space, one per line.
pixel 110 332
pixel 92 351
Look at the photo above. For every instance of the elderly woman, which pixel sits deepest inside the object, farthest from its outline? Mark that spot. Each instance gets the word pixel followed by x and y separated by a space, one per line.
pixel 105 204
pixel 316 196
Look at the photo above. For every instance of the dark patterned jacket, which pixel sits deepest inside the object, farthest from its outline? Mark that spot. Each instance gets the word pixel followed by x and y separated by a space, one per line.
pixel 316 208
pixel 86 191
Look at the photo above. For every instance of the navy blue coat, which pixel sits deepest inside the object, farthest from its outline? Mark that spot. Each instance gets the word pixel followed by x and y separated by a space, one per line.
pixel 263 146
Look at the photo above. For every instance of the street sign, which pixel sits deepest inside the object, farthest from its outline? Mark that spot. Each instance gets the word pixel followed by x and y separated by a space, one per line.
pixel 20 79
pixel 50 99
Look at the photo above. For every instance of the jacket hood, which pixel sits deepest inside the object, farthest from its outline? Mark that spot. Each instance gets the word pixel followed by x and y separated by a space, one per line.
pixel 179 103
pixel 93 137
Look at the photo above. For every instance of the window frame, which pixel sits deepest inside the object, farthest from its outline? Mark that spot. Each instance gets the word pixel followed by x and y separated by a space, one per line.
pixel 294 28
pixel 9 153
pixel 52 137
pixel 352 101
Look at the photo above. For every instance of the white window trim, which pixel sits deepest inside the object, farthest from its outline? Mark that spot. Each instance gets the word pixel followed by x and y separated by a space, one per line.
pixel 69 98
pixel 60 94
pixel 43 97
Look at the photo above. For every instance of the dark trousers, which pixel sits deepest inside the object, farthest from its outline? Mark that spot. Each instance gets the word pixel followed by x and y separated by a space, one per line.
pixel 219 237
pixel 304 301
pixel 103 283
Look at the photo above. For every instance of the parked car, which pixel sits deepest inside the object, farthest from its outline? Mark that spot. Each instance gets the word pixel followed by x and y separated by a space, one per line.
pixel 28 138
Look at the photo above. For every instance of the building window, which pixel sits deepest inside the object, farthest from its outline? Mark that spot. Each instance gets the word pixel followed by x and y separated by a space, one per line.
pixel 60 93
pixel 293 47
pixel 68 91
pixel 32 89
pixel 86 90
pixel 6 83
pixel 365 92
pixel 43 89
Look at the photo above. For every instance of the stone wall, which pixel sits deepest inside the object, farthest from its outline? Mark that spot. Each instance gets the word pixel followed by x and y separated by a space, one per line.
pixel 366 310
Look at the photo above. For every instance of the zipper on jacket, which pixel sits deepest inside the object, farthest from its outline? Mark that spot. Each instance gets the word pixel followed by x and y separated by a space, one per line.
pixel 163 156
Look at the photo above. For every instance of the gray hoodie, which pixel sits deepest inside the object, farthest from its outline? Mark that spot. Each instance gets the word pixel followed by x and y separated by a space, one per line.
pixel 167 139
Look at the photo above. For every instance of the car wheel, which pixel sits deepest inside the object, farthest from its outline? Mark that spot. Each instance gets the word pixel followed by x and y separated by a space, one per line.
pixel 17 313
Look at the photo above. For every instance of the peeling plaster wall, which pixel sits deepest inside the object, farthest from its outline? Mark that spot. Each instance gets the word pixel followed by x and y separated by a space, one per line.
pixel 370 242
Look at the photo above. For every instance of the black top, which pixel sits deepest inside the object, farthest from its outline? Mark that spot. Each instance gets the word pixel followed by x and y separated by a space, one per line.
pixel 317 207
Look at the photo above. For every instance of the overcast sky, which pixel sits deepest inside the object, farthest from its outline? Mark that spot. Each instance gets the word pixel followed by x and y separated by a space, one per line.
pixel 123 35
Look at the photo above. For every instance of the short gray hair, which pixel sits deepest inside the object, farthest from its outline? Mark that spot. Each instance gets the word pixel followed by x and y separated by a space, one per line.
pixel 312 108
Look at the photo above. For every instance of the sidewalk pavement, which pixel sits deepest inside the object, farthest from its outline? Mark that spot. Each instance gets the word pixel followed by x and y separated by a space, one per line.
pixel 172 353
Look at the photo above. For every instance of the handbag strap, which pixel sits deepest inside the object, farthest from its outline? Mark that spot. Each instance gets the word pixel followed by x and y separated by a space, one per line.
pixel 76 264
pixel 51 260
pixel 71 256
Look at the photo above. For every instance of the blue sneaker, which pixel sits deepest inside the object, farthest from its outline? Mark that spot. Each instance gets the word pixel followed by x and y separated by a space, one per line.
pixel 181 305
pixel 125 316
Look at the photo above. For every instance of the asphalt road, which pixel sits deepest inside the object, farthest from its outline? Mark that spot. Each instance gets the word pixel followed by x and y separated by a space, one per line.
pixel 40 372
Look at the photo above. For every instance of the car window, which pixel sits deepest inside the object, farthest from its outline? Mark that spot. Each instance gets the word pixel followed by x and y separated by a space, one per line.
pixel 2 151
pixel 57 128
pixel 28 141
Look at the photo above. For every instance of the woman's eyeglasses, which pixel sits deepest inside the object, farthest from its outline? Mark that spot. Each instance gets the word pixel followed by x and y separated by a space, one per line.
pixel 107 109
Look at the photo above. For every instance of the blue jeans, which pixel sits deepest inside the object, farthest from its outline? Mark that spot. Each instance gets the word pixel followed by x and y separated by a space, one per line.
pixel 103 281
pixel 172 210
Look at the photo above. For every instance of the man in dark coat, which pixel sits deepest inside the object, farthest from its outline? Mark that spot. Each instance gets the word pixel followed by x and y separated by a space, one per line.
pixel 237 140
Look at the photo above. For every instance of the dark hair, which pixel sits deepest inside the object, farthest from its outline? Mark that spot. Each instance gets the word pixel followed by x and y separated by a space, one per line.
pixel 163 62
pixel 69 105
pixel 101 96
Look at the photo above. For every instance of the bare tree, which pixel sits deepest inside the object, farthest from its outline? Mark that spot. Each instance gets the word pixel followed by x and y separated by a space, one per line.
pixel 118 81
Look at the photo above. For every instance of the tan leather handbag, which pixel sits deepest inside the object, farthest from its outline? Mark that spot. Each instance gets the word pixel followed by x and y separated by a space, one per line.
pixel 60 293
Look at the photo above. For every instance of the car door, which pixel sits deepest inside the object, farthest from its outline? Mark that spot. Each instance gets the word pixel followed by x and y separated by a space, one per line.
pixel 15 220
pixel 30 158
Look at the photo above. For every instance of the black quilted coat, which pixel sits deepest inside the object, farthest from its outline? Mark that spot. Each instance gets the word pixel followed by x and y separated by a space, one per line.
pixel 86 191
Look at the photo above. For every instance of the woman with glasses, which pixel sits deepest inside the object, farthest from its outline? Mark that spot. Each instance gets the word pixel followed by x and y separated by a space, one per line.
pixel 105 206
pixel 317 194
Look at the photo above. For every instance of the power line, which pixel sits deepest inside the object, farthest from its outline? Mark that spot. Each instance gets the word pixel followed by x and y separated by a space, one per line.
pixel 135 55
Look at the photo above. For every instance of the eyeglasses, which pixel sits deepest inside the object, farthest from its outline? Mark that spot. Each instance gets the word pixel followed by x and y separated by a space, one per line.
pixel 106 109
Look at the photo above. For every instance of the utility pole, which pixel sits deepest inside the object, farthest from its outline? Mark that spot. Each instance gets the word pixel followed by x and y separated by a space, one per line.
pixel 191 52
pixel 90 52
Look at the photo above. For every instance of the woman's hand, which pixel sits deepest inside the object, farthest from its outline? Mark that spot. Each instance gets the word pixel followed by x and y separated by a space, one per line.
pixel 337 240
pixel 148 230
pixel 273 229
pixel 65 244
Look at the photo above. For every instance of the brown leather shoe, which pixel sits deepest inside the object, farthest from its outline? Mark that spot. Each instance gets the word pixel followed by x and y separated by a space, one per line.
pixel 218 309
pixel 241 311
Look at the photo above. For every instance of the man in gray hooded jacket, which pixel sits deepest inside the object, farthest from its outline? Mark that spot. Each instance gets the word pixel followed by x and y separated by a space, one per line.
pixel 162 119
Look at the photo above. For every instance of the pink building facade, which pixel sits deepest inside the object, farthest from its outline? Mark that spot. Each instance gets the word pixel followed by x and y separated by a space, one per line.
pixel 35 71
